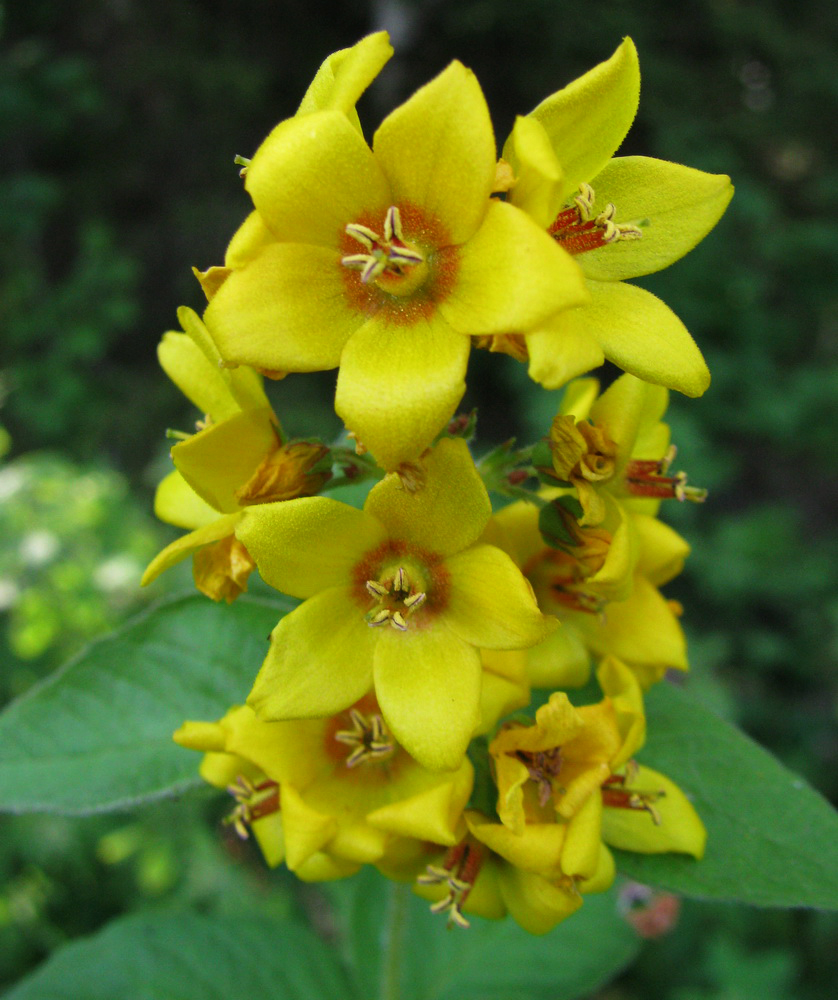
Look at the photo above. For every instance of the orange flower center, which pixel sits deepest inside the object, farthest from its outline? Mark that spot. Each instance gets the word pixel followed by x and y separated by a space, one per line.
pixel 401 579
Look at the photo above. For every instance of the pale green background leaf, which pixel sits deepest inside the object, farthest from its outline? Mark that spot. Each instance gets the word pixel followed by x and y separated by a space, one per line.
pixel 97 735
pixel 772 840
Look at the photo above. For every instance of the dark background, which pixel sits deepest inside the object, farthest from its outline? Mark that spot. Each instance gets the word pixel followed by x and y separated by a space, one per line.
pixel 119 122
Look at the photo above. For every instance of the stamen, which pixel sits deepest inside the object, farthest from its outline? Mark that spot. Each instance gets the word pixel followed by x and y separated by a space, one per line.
pixel 252 803
pixel 395 600
pixel 369 738
pixel 458 871
pixel 577 232
pixel 616 794
pixel 389 254
pixel 647 478
pixel 543 766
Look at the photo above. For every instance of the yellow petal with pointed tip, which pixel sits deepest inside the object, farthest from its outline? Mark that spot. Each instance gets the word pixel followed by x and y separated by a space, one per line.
pixel 427 682
pixel 445 515
pixel 662 549
pixel 201 382
pixel 620 411
pixel 285 311
pixel 306 830
pixel 312 176
pixel 219 460
pixel 559 354
pixel 603 877
pixel 490 602
pixel 345 75
pixel 243 385
pixel 184 546
pixel 305 545
pixel 674 206
pixel 579 397
pixel 536 903
pixel 319 662
pixel 322 867
pixel 538 848
pixel 248 241
pixel 641 335
pixel 270 837
pixel 499 696
pixel 680 828
pixel 433 814
pixel 642 630
pixel 438 151
pixel 512 277
pixel 175 502
pixel 398 387
pixel 621 687
pixel 358 842
pixel 538 187
pixel 581 852
pixel 589 118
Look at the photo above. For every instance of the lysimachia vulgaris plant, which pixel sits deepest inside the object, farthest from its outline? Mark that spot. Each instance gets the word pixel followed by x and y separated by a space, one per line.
pixel 471 683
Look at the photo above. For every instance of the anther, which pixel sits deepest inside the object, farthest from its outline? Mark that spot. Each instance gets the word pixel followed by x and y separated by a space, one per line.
pixel 369 738
pixel 252 803
pixel 577 232
pixel 648 478
pixel 388 254
pixel 395 598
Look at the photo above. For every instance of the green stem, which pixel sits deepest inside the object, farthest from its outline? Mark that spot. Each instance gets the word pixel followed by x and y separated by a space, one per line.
pixel 391 965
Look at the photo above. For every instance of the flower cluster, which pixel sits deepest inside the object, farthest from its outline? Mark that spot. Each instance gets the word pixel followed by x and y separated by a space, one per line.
pixel 385 725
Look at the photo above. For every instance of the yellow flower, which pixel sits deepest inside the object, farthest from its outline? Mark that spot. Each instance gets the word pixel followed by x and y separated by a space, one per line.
pixel 559 779
pixel 604 591
pixel 616 444
pixel 472 878
pixel 385 261
pixel 343 787
pixel 398 595
pixel 620 217
pixel 235 459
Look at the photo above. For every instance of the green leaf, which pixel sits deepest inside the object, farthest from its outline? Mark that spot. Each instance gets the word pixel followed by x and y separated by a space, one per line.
pixel 420 959
pixel 189 957
pixel 772 840
pixel 97 735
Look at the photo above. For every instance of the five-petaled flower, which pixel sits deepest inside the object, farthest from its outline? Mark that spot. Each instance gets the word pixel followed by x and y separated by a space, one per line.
pixel 385 261
pixel 398 596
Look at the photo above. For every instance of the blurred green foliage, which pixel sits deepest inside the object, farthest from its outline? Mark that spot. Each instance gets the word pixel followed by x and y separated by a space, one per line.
pixel 120 120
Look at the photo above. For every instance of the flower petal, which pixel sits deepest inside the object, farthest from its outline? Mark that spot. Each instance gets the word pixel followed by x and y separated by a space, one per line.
pixel 286 311
pixel 427 682
pixel 534 902
pixel 491 604
pixel 248 241
pixel 305 545
pixel 397 387
pixel 538 186
pixel 589 118
pixel 662 549
pixel 674 206
pixel 680 828
pixel 312 176
pixel 345 75
pixel 219 460
pixel 643 631
pixel 184 546
pixel 433 814
pixel 641 335
pixel 305 829
pixel 447 514
pixel 559 354
pixel 512 277
pixel 438 151
pixel 175 502
pixel 319 662
pixel 561 661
